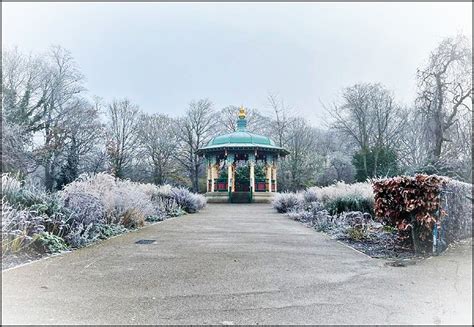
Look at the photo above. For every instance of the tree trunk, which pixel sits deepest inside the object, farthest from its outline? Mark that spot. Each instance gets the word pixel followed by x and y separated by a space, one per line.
pixel 364 160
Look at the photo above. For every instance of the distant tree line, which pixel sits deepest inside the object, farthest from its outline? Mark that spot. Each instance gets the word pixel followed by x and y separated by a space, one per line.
pixel 53 130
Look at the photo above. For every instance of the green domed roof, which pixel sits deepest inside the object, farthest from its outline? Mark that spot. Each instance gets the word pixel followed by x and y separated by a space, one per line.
pixel 241 139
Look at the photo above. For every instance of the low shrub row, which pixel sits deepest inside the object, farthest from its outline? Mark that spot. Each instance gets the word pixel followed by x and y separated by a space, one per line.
pixel 425 213
pixel 343 211
pixel 347 226
pixel 336 199
pixel 92 207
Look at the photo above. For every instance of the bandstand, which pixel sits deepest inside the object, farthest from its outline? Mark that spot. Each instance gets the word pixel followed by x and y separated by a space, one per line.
pixel 241 166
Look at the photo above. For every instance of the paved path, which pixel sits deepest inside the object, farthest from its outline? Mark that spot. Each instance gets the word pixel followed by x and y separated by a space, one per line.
pixel 240 264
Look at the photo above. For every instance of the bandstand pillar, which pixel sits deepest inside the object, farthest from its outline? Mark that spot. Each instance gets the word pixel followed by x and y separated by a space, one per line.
pixel 252 172
pixel 213 168
pixel 212 172
pixel 208 175
pixel 274 170
pixel 230 172
pixel 269 177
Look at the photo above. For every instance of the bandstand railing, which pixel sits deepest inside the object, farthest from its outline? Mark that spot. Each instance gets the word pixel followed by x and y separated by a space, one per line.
pixel 260 185
pixel 220 185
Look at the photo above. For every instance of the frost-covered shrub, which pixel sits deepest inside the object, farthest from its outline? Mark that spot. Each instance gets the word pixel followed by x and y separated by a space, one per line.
pixel 102 186
pixel 457 201
pixel 310 195
pixel 167 206
pixel 92 207
pixel 343 190
pixel 86 208
pixel 155 218
pixel 50 243
pixel 301 215
pixel 87 212
pixel 109 230
pixel 201 201
pixel 80 234
pixel 132 218
pixel 33 199
pixel 285 202
pixel 119 198
pixel 18 226
pixel 188 201
pixel 164 190
pixel 350 203
pixel 10 185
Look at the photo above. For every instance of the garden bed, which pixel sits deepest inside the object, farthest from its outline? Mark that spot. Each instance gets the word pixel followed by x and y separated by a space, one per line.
pixel 36 223
pixel 346 213
pixel 12 260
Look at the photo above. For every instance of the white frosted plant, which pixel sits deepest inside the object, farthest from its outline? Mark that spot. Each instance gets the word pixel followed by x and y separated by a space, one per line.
pixel 117 197
pixel 310 195
pixel 131 196
pixel 286 202
pixel 164 190
pixel 18 227
pixel 187 200
pixel 10 184
pixel 201 200
pixel 341 190
pixel 86 208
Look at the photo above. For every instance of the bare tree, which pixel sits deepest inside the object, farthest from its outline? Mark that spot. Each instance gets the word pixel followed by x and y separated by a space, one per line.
pixel 300 165
pixel 37 93
pixel 370 118
pixel 445 93
pixel 83 130
pixel 194 131
pixel 61 86
pixel 15 154
pixel 281 118
pixel 24 88
pixel 122 139
pixel 159 141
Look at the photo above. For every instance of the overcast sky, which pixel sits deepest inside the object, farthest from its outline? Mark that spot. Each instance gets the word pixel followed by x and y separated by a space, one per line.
pixel 164 55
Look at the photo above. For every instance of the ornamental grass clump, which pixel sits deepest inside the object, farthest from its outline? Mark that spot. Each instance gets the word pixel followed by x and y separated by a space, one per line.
pixel 188 201
pixel 285 202
pixel 18 228
pixel 341 197
pixel 310 195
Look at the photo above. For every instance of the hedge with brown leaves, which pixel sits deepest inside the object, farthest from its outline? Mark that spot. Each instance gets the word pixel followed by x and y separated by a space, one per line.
pixel 411 204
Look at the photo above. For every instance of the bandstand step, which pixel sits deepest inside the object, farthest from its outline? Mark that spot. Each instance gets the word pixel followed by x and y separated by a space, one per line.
pixel 240 197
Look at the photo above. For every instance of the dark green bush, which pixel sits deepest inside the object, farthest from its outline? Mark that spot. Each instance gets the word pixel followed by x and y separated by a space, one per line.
pixel 48 243
pixel 109 230
pixel 349 203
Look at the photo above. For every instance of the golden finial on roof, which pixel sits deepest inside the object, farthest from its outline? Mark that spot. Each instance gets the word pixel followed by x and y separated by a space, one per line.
pixel 242 113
